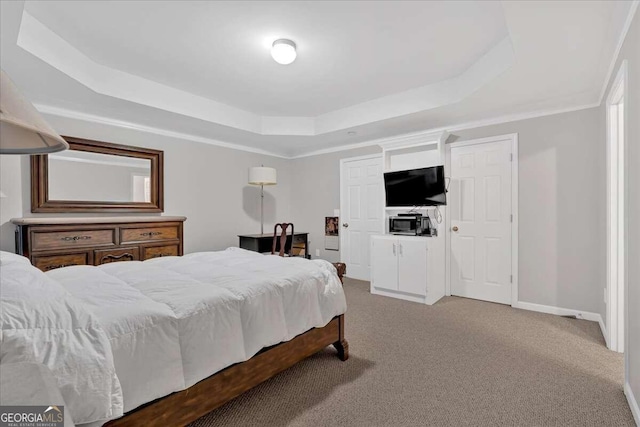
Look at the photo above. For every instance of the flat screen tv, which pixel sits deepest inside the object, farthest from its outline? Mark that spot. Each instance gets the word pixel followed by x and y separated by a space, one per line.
pixel 415 187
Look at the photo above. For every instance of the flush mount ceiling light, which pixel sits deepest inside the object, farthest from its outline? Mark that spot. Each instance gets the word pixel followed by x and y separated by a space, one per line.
pixel 283 51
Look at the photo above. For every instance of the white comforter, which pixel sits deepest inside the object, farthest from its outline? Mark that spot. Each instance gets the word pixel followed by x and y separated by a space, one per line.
pixel 174 321
pixel 41 323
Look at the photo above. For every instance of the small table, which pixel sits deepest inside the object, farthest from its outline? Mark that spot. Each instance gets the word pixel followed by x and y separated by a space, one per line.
pixel 263 243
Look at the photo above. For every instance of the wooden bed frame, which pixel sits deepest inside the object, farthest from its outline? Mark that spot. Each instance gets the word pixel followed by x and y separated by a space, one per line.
pixel 183 407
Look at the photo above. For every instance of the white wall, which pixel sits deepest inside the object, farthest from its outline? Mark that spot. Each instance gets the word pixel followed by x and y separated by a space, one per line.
pixel 631 52
pixel 205 183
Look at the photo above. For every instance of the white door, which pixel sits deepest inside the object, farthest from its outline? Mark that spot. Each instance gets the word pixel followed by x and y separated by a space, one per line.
pixel 412 267
pixel 361 211
pixel 384 271
pixel 481 215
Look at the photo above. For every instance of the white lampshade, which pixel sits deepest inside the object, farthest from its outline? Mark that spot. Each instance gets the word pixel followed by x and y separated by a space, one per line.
pixel 261 175
pixel 22 128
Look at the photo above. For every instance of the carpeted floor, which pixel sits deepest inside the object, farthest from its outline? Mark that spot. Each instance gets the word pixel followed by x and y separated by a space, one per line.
pixel 459 362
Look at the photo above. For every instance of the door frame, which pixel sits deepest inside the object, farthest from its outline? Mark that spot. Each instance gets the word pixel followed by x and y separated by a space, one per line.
pixel 513 138
pixel 343 201
pixel 617 207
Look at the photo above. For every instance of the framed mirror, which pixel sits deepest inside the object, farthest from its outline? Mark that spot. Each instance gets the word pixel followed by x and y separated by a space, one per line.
pixel 94 176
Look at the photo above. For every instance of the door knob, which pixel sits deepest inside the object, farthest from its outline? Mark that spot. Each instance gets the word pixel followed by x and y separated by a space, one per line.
pixel 345 225
pixel 455 228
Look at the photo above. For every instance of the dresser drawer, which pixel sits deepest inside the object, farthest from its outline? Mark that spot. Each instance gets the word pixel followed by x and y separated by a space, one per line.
pixel 45 240
pixel 160 251
pixel 51 262
pixel 145 234
pixel 105 256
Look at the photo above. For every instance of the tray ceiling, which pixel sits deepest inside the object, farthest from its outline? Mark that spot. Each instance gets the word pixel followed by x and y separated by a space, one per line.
pixel 378 68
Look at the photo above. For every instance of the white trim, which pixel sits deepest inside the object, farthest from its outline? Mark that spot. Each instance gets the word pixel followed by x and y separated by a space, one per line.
pixel 75 115
pixel 514 210
pixel 603 329
pixel 453 128
pixel 399 295
pixel 342 195
pixel 633 402
pixel 558 311
pixel 617 215
pixel 144 163
pixel 92 118
pixel 621 39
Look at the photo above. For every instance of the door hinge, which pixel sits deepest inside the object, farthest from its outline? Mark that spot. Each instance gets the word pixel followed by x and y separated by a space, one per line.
pixel 511 157
pixel 511 278
pixel 511 217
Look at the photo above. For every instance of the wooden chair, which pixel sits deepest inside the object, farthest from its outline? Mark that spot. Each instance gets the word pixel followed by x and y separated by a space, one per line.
pixel 283 238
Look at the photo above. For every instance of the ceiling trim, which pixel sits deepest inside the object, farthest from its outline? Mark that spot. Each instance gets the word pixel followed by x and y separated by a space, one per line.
pixel 42 42
pixel 450 129
pixel 61 112
pixel 623 35
pixel 91 118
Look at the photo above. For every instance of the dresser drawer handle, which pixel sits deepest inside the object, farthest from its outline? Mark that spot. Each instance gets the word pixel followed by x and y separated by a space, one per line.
pixel 151 233
pixel 160 255
pixel 74 238
pixel 53 267
pixel 114 257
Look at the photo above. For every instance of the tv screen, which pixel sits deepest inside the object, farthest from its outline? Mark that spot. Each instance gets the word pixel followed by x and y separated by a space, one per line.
pixel 415 187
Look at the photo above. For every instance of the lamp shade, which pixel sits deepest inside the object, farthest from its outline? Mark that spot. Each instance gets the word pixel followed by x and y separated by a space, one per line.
pixel 261 175
pixel 22 128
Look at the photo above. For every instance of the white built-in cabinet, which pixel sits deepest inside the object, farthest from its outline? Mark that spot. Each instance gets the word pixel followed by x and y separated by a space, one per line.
pixel 407 267
pixel 410 267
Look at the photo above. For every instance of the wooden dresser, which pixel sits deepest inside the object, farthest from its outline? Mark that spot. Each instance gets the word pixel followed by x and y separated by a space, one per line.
pixel 51 243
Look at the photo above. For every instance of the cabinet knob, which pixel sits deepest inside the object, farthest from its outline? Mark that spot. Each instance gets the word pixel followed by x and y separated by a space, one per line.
pixel 455 228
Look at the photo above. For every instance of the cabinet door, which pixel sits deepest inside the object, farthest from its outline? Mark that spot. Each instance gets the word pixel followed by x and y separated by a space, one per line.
pixel 412 266
pixel 384 263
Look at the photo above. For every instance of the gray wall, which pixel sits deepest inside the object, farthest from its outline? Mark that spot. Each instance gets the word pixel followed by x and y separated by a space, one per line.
pixel 631 52
pixel 562 172
pixel 205 183
pixel 315 193
pixel 99 181
pixel 561 209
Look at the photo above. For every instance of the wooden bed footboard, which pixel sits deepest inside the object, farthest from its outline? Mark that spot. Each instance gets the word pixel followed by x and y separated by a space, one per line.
pixel 183 407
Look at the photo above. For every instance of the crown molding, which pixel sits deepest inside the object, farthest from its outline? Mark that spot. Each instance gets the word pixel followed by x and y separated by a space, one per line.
pixel 414 139
pixel 623 35
pixel 76 115
pixel 401 138
pixel 421 135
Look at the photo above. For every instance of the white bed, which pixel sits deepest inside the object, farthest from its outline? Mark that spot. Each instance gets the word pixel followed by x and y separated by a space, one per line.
pixel 174 321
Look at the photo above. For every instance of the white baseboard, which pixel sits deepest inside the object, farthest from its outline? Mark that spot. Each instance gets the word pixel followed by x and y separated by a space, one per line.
pixel 603 329
pixel 558 311
pixel 633 402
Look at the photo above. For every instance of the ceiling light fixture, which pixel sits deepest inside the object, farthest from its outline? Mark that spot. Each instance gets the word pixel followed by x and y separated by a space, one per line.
pixel 283 51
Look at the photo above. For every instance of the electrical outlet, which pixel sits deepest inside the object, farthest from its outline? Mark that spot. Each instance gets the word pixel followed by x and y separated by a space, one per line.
pixel 317 252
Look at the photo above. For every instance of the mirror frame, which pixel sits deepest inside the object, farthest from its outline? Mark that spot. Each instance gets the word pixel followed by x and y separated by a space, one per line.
pixel 40 201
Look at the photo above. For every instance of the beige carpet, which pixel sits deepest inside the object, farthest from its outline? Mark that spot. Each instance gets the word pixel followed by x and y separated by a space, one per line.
pixel 459 362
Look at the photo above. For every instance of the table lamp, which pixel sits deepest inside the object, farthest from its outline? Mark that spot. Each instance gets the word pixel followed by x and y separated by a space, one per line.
pixel 260 175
